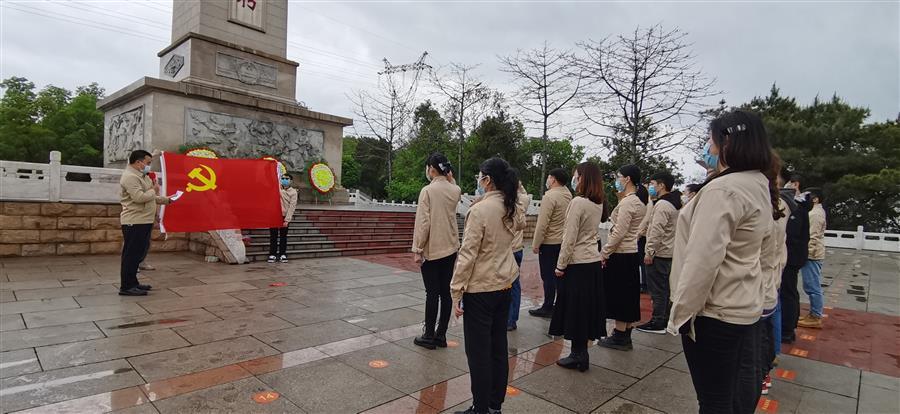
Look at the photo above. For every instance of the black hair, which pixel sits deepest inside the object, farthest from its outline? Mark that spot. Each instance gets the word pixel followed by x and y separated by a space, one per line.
pixel 561 176
pixel 817 193
pixel 506 180
pixel 665 178
pixel 643 194
pixel 796 178
pixel 440 163
pixel 138 155
pixel 288 176
pixel 634 173
pixel 692 187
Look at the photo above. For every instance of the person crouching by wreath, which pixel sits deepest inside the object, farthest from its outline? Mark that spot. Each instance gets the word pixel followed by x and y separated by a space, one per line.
pixel 278 235
pixel 579 312
pixel 435 242
pixel 482 281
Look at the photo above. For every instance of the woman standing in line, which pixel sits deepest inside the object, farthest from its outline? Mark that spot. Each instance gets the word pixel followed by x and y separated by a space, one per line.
pixel 435 242
pixel 522 203
pixel 482 280
pixel 717 277
pixel 578 315
pixel 548 234
pixel 621 261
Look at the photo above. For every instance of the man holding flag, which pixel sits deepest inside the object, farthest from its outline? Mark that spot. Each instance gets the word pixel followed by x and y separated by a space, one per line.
pixel 139 196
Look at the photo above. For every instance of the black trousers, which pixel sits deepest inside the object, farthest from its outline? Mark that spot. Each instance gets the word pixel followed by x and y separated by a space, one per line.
pixel 723 363
pixel 277 241
pixel 767 347
pixel 484 325
pixel 790 301
pixel 549 254
pixel 436 275
pixel 642 244
pixel 136 241
pixel 658 285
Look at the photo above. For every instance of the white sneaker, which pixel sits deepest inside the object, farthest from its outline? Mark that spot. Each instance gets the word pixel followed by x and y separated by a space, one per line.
pixel 271 259
pixel 283 259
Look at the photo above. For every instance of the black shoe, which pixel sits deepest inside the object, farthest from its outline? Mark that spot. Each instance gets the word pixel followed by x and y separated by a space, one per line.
pixel 440 341
pixel 425 342
pixel 654 328
pixel 145 287
pixel 541 312
pixel 575 361
pixel 133 292
pixel 471 410
pixel 619 340
pixel 510 328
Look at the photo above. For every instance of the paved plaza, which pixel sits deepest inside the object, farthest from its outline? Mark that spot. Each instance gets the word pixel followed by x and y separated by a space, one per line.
pixel 334 335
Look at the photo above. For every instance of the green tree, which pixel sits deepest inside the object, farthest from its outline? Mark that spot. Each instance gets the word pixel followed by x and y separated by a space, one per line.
pixel 350 168
pixel 562 153
pixel 369 156
pixel 498 135
pixel 430 134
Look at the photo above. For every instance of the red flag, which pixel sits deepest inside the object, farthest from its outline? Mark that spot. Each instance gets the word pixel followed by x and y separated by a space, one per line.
pixel 220 194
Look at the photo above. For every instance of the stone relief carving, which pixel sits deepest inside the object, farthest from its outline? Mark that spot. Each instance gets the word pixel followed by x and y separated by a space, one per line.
pixel 246 71
pixel 125 133
pixel 174 65
pixel 237 137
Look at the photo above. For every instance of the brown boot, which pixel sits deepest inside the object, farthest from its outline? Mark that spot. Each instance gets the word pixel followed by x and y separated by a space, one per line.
pixel 811 321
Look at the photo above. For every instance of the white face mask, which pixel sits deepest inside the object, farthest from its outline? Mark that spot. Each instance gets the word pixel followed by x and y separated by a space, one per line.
pixel 427 176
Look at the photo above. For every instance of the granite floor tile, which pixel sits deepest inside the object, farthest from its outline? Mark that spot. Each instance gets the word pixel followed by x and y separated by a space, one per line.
pixel 329 298
pixel 232 328
pixel 63 292
pixel 793 398
pixel 408 371
pixel 397 334
pixel 106 349
pixel 7 296
pixel 350 345
pixel 622 406
pixel 267 293
pixel 446 394
pixel 50 387
pixel 32 284
pixel 669 343
pixel 310 335
pixel 387 303
pixel 405 405
pixel 822 376
pixel 637 363
pixel 52 335
pixel 206 290
pixel 678 363
pixel 880 380
pixel 384 280
pixel 335 285
pixel 387 320
pixel 323 387
pixel 576 391
pixel 115 298
pixel 876 400
pixel 666 390
pixel 69 275
pixel 155 321
pixel 197 358
pixel 112 401
pixel 233 397
pixel 69 316
pixel 524 403
pixel 390 289
pixel 520 367
pixel 546 354
pixel 167 388
pixel 15 363
pixel 281 361
pixel 11 322
pixel 168 305
pixel 243 309
pixel 320 313
pixel 138 409
pixel 233 277
pixel 455 355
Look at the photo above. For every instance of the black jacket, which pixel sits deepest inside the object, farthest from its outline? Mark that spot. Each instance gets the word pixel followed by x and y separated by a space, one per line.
pixel 797 228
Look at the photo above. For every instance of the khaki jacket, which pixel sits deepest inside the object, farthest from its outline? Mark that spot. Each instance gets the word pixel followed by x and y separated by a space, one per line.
pixel 645 223
pixel 552 217
pixel 661 231
pixel 717 265
pixel 522 203
pixel 485 262
pixel 581 234
pixel 436 233
pixel 138 198
pixel 817 224
pixel 773 257
pixel 288 202
pixel 626 219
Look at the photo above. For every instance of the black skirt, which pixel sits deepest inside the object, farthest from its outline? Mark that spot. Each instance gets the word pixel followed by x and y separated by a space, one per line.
pixel 622 283
pixel 578 314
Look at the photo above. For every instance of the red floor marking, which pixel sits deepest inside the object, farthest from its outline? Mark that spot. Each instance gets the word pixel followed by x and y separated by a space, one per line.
pixel 767 405
pixel 799 352
pixel 806 337
pixel 278 284
pixel 452 344
pixel 377 364
pixel 512 391
pixel 786 374
pixel 265 397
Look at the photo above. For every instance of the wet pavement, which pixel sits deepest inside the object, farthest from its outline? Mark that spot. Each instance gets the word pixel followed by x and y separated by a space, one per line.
pixel 335 335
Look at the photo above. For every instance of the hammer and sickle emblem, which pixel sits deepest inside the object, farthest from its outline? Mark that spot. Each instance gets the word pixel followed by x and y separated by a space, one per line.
pixel 208 181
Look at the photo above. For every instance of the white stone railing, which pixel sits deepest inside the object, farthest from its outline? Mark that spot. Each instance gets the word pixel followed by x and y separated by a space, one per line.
pixel 861 240
pixel 362 199
pixel 28 181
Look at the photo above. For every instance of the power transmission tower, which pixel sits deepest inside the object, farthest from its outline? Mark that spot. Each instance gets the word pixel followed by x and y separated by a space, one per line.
pixel 419 66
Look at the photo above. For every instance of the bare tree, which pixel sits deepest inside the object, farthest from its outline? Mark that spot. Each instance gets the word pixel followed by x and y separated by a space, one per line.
pixel 467 99
pixel 546 84
pixel 386 111
pixel 644 94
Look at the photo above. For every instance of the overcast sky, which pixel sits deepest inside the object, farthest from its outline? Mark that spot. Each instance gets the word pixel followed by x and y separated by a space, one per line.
pixel 851 48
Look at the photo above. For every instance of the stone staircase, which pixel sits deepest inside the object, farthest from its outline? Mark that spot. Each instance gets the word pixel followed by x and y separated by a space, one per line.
pixel 328 232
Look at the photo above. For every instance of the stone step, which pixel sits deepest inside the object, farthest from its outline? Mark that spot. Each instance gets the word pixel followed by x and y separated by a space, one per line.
pixel 333 237
pixel 307 245
pixel 309 254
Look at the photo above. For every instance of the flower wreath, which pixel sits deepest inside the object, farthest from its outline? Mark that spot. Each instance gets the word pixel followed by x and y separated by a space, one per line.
pixel 321 177
pixel 201 152
pixel 282 170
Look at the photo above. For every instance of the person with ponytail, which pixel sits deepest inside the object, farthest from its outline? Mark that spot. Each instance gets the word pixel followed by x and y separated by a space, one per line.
pixel 548 233
pixel 482 281
pixel 717 279
pixel 435 242
pixel 621 260
pixel 578 315
pixel 522 203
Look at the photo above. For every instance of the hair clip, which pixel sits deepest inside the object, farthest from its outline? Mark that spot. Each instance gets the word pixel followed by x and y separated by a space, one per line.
pixel 737 128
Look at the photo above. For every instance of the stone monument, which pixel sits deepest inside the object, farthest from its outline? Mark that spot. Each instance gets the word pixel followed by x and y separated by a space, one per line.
pixel 225 83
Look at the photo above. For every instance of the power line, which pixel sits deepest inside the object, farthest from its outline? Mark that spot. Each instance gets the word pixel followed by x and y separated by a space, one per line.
pixel 356 27
pixel 80 22
pixel 336 55
pixel 114 14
